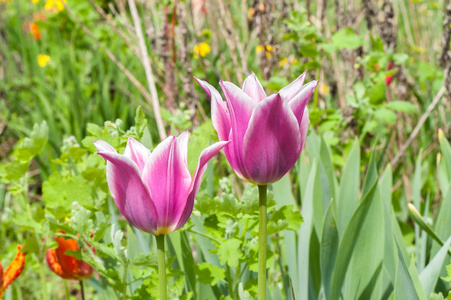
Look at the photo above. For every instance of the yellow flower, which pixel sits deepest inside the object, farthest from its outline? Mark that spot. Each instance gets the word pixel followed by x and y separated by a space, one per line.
pixel 324 89
pixel 43 60
pixel 54 6
pixel 250 13
pixel 283 62
pixel 259 49
pixel 201 49
pixel 34 1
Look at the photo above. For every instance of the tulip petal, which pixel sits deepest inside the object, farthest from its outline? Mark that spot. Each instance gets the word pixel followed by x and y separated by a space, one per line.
pixel 273 141
pixel 167 175
pixel 219 114
pixel 253 88
pixel 205 156
pixel 130 194
pixel 241 107
pixel 69 264
pixel 304 127
pixel 137 152
pixel 55 266
pixel 103 146
pixel 299 102
pixel 229 152
pixel 293 88
pixel 15 268
pixel 1 277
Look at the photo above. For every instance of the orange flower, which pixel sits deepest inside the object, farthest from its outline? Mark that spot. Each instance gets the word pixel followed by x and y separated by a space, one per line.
pixel 13 271
pixel 33 29
pixel 39 16
pixel 66 266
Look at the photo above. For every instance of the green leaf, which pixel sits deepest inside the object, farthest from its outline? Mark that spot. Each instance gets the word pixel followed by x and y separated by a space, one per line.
pixel 63 191
pixel 284 218
pixel 400 58
pixel 306 232
pixel 348 195
pixel 31 146
pixel 445 163
pixel 448 272
pixel 328 48
pixel 431 273
pixel 249 200
pixel 385 115
pixel 329 248
pixel 76 152
pixel 244 295
pixel 230 252
pixel 385 186
pixel 140 122
pixel 208 274
pixel 368 243
pixel 402 106
pixel 442 224
pixel 275 83
pixel 283 195
pixel 202 137
pixel 81 219
pixel 13 171
pixel 346 38
pixel 404 286
pixel 348 242
pixel 119 249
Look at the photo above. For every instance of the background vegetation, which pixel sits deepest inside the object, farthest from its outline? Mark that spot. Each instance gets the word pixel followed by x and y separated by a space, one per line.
pixel 76 71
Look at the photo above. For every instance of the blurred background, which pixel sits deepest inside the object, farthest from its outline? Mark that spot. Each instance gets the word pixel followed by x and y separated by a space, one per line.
pixel 379 63
pixel 86 66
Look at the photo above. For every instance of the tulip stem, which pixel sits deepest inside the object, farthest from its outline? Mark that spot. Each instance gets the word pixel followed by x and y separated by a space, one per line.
pixel 161 266
pixel 262 199
pixel 66 287
pixel 82 290
pixel 43 279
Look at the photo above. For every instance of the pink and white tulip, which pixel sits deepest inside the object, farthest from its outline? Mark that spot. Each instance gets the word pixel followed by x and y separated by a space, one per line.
pixel 267 133
pixel 155 191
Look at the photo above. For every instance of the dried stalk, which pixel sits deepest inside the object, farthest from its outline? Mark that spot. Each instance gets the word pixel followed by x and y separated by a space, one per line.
pixel 111 56
pixel 147 69
pixel 127 40
pixel 445 57
pixel 116 29
pixel 168 43
pixel 370 9
pixel 233 36
pixel 387 26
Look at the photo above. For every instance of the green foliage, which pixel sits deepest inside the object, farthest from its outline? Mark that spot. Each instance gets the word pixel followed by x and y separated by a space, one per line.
pixel 342 224
pixel 208 274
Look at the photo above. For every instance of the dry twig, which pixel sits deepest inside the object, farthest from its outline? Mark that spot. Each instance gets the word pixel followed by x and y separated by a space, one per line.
pixel 111 56
pixel 147 69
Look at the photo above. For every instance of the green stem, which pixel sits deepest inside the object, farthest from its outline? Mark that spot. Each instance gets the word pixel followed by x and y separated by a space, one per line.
pixel 229 281
pixel 66 287
pixel 43 279
pixel 124 288
pixel 235 281
pixel 161 266
pixel 82 290
pixel 262 189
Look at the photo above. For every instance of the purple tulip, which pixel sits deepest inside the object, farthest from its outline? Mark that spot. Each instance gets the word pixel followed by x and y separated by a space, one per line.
pixel 267 133
pixel 155 191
